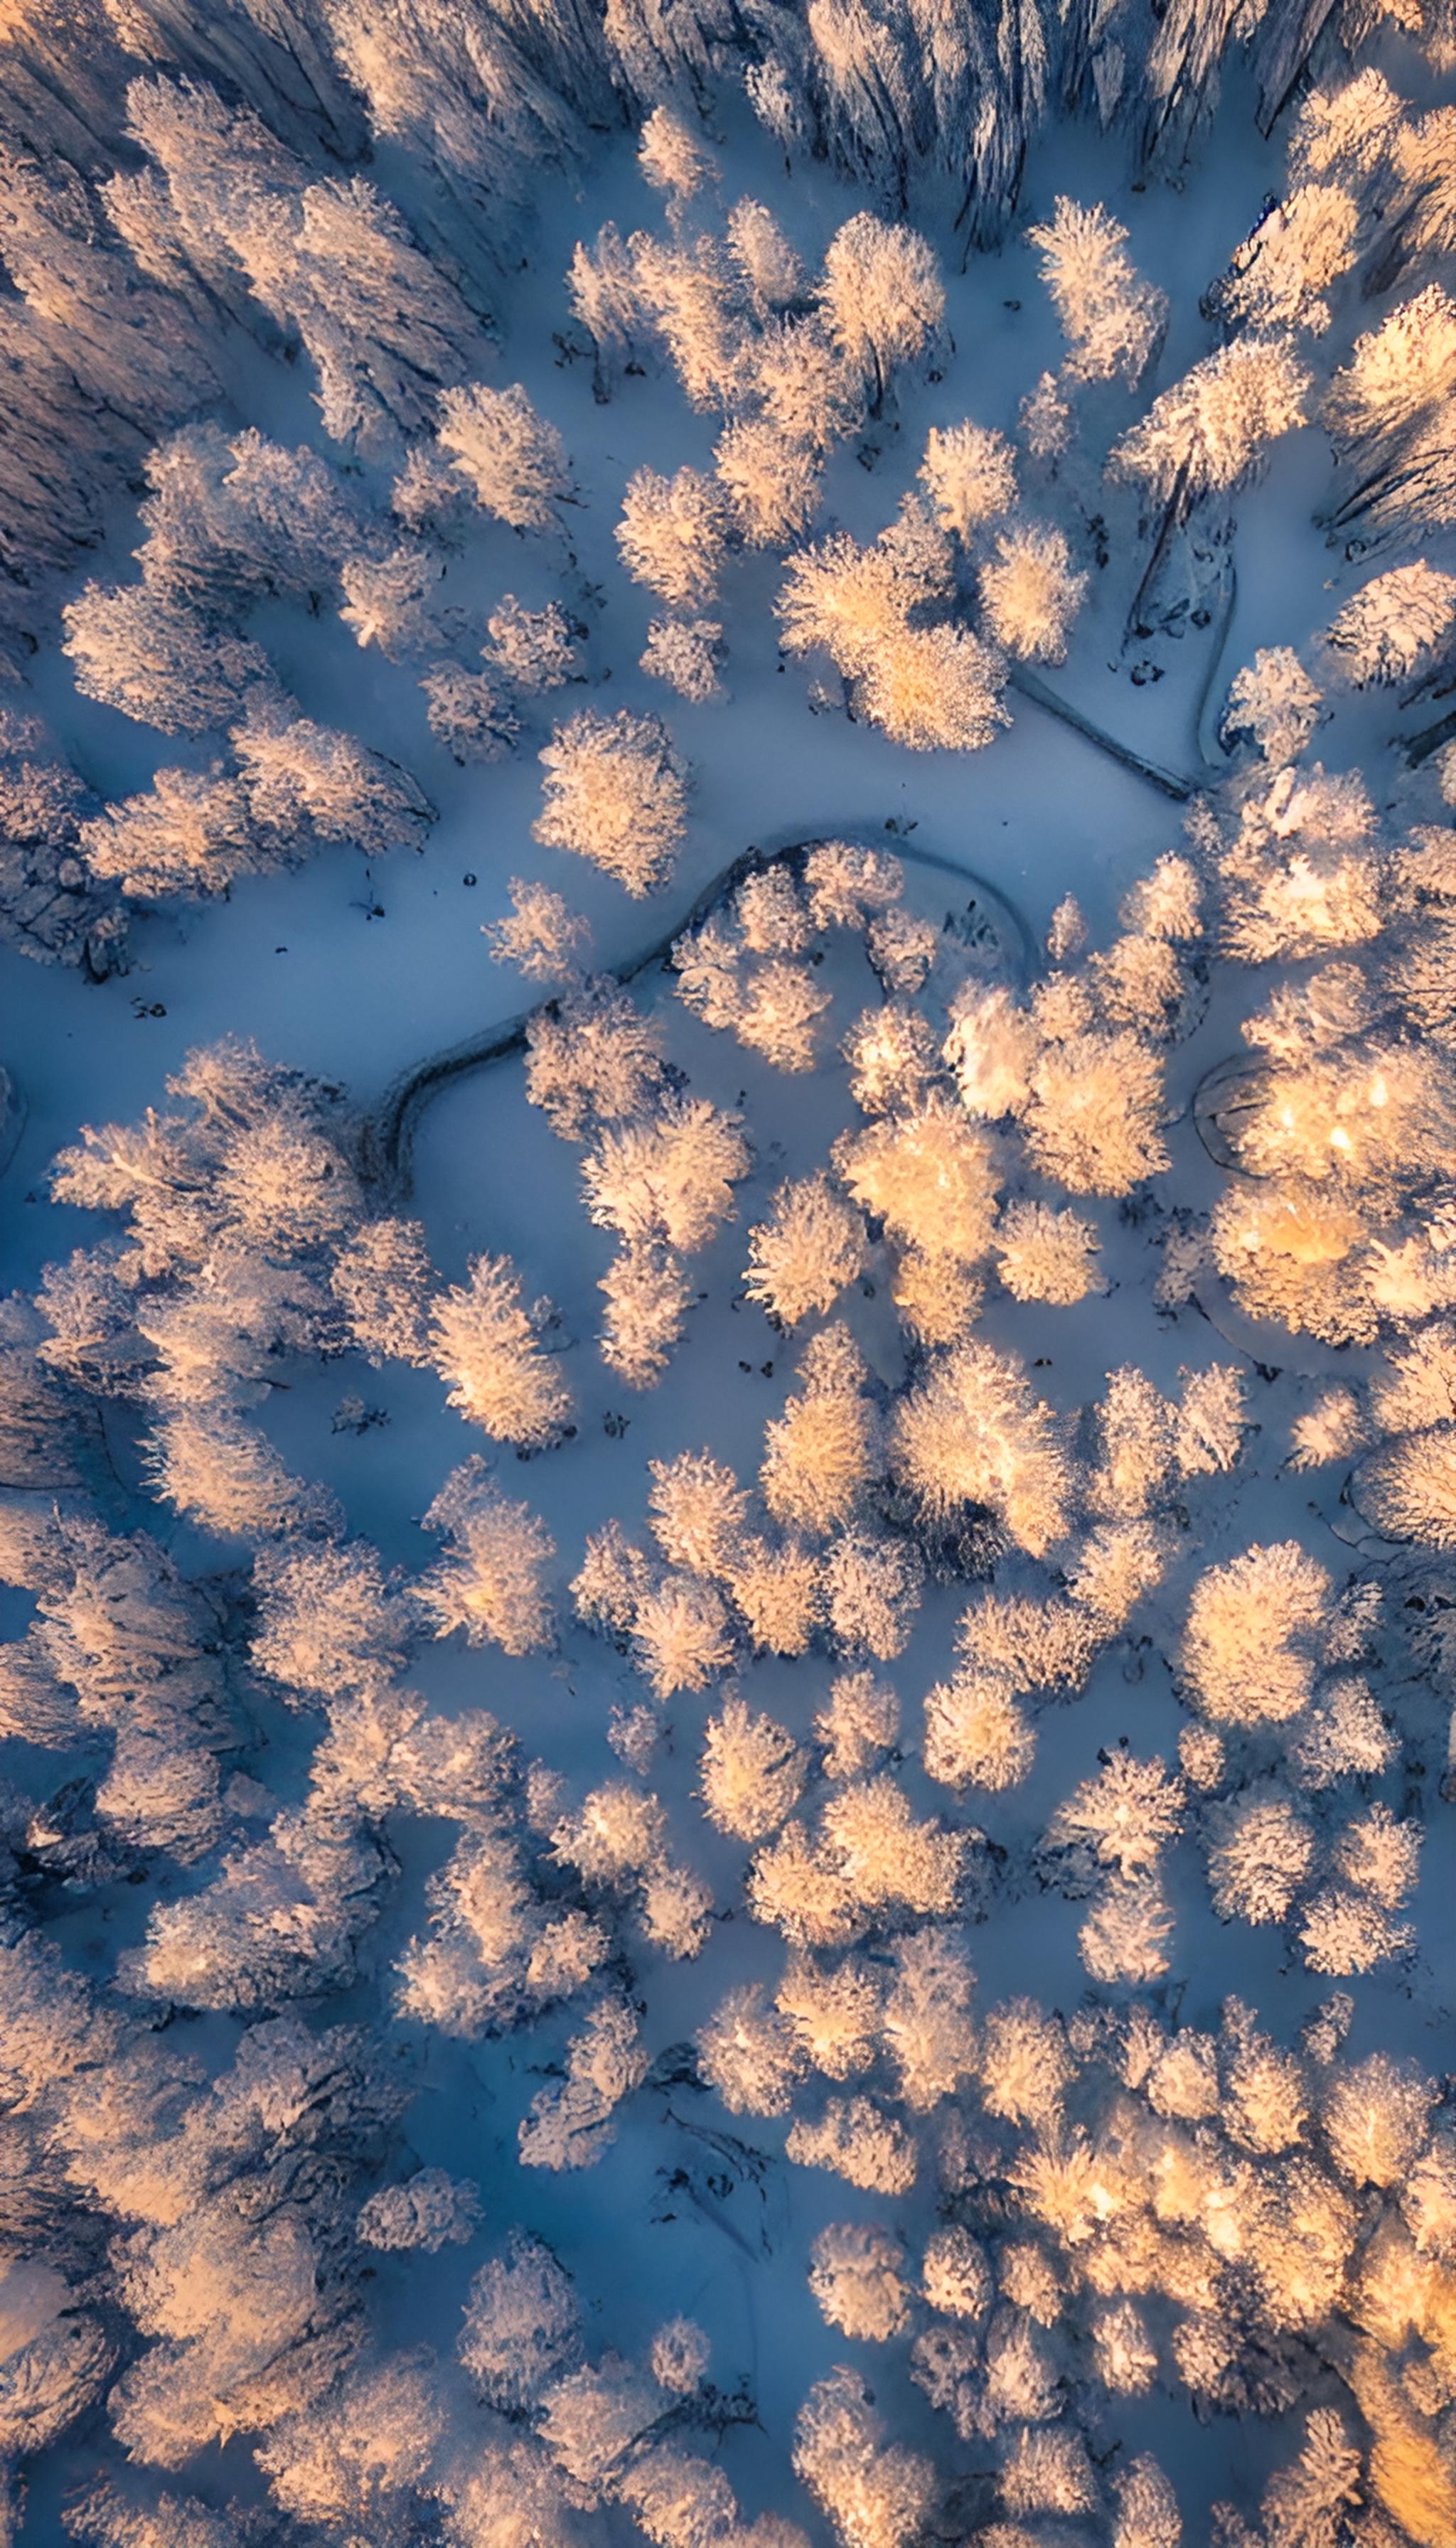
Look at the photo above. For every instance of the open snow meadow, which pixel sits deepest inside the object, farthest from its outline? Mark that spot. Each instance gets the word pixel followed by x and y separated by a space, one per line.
pixel 728 1334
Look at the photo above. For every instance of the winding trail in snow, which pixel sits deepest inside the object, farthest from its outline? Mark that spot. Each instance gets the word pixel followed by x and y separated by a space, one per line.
pixel 387 1132
pixel 386 1135
pixel 1170 782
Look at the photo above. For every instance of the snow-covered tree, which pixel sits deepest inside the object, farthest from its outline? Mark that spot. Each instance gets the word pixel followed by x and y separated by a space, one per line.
pixel 668 1176
pixel 850 600
pixel 686 654
pixel 822 1451
pixel 469 714
pixel 672 157
pixel 1112 321
pixel 859 1723
pixel 681 1636
pixel 383 1279
pixel 801 1258
pixel 976 1733
pixel 364 2454
pixel 881 296
pixel 871 1590
pixel 329 1618
pixel 306 778
pixel 1383 411
pixel 1279 278
pixel 928 2029
pixel 648 1296
pixel 689 293
pixel 386 602
pixel 696 1509
pixel 1274 699
pixel 935 689
pixel 857 2277
pixel 769 262
pixel 972 1433
pixel 771 480
pixel 969 471
pixel 1252 1624
pixel 233 517
pixel 1392 624
pixel 606 299
pixel 190 835
pixel 513 461
pixel 1208 432
pixel 876 2494
pixel 429 2211
pixel 1045 1255
pixel 522 2326
pixel 1261 1851
pixel 1030 593
pixel 929 1175
pixel 593 1056
pixel 570 2124
pixel 751 1773
pixel 541 934
pixel 672 536
pixel 487 1344
pixel 280 1922
pixel 139 650
pixel 617 793
pixel 1124 1818
pixel 536 649
pixel 490 1582
pixel 1092 1124
pixel 749 2056
pixel 811 392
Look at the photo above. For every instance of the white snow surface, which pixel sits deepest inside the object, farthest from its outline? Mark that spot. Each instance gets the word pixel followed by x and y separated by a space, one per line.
pixel 355 972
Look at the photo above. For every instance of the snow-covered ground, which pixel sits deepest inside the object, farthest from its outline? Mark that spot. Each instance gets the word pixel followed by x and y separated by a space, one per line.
pixel 355 972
